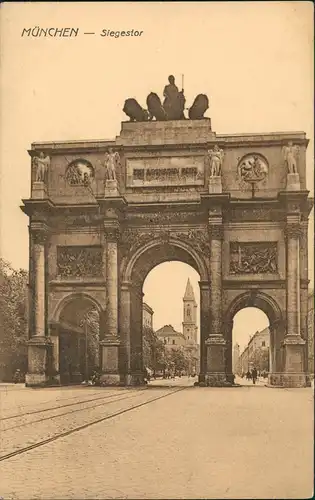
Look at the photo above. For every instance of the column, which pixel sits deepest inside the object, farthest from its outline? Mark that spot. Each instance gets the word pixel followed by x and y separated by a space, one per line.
pixel 136 353
pixel 125 329
pixel 110 344
pixel 294 372
pixel 204 326
pixel 39 345
pixel 228 335
pixel 216 343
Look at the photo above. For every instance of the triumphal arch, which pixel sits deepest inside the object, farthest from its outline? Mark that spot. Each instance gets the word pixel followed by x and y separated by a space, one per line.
pixel 102 214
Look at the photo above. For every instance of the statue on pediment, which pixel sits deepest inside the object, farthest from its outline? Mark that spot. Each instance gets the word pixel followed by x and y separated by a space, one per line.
pixel 135 112
pixel 112 161
pixel 199 107
pixel 174 102
pixel 155 107
pixel 41 164
pixel 290 154
pixel 215 157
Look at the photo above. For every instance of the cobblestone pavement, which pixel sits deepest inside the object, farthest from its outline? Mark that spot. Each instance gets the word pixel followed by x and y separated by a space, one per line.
pixel 241 442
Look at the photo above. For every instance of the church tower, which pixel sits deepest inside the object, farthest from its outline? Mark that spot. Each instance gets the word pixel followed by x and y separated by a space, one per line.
pixel 190 315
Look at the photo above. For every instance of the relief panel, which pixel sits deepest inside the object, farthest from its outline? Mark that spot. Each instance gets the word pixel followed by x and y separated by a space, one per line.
pixel 253 258
pixel 79 261
pixel 165 171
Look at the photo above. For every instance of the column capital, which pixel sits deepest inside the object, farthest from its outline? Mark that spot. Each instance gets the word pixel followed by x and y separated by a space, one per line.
pixel 39 232
pixel 216 231
pixel 293 230
pixel 112 232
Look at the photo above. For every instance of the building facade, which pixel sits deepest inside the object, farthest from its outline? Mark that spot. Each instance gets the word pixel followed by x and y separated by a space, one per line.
pixel 147 316
pixel 170 337
pixel 236 358
pixel 188 338
pixel 256 353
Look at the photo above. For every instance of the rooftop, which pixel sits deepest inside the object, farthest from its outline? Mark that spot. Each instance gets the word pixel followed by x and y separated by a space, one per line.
pixel 168 331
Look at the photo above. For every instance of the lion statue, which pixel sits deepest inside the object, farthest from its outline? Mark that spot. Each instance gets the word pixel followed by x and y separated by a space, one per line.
pixel 199 107
pixel 135 112
pixel 155 107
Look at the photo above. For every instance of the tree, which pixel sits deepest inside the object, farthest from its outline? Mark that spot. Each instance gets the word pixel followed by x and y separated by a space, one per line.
pixel 153 350
pixel 260 359
pixel 179 359
pixel 13 320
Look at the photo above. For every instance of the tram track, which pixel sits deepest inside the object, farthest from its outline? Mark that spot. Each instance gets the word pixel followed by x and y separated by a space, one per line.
pixel 79 428
pixel 135 393
pixel 19 415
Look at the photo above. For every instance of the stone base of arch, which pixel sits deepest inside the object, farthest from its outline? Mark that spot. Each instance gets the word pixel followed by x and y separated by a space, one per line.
pixel 110 362
pixel 288 380
pixel 39 362
pixel 134 379
pixel 293 374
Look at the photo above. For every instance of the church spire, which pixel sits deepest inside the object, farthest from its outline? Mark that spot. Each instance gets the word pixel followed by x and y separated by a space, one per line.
pixel 189 292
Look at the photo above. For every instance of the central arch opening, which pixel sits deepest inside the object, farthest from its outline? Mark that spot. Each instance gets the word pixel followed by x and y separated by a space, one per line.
pixel 159 274
pixel 251 346
pixel 171 324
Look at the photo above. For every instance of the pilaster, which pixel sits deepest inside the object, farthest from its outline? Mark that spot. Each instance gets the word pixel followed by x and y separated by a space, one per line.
pixel 110 343
pixel 215 343
pixel 294 345
pixel 39 346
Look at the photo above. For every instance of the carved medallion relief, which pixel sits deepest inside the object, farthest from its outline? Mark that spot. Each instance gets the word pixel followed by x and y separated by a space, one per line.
pixel 253 258
pixel 252 169
pixel 79 261
pixel 79 172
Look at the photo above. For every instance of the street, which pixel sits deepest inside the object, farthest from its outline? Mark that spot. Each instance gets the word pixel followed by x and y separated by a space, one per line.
pixel 156 442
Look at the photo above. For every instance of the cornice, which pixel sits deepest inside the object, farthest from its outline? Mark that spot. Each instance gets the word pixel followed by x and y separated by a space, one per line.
pixel 242 284
pixel 83 283
pixel 224 140
pixel 42 205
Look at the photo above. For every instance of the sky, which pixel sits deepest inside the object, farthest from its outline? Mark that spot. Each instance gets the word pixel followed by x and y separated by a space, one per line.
pixel 253 59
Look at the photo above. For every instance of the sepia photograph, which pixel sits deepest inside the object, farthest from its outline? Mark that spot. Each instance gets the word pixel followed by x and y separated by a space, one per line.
pixel 156 250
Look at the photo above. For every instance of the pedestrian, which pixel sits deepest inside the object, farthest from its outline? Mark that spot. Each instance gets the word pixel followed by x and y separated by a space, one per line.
pixel 17 376
pixel 254 375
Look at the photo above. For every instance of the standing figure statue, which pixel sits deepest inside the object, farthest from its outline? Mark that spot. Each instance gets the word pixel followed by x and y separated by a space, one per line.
pixel 112 161
pixel 290 154
pixel 174 102
pixel 215 157
pixel 41 164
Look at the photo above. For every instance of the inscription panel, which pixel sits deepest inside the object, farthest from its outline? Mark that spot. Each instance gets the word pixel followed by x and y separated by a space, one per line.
pixel 253 258
pixel 79 261
pixel 165 171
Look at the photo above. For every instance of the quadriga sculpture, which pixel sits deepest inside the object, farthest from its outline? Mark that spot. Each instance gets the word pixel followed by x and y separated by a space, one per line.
pixel 155 107
pixel 135 112
pixel 199 107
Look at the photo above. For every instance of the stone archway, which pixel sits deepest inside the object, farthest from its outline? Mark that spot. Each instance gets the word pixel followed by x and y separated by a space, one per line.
pixel 241 225
pixel 134 271
pixel 270 307
pixel 75 332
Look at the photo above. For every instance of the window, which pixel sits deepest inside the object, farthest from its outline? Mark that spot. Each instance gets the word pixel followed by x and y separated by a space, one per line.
pixel 263 343
pixel 173 342
pixel 164 341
